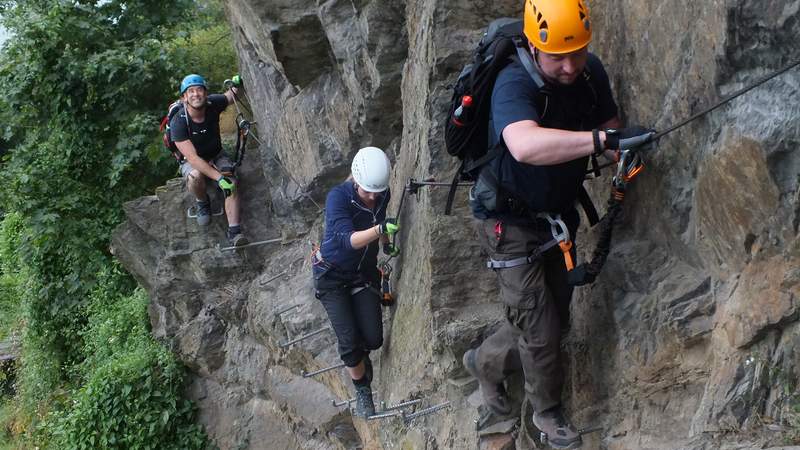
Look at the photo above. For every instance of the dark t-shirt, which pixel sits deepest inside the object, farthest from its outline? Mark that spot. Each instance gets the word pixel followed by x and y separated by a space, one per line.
pixel 581 106
pixel 204 136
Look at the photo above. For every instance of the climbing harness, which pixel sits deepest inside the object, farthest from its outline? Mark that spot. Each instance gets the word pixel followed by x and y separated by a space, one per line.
pixel 561 238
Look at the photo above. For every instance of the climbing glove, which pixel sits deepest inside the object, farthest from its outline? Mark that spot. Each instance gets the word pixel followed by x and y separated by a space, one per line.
pixel 390 249
pixel 227 185
pixel 627 138
pixel 389 227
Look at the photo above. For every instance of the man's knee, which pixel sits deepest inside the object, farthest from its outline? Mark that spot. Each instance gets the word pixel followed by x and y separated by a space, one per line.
pixel 195 178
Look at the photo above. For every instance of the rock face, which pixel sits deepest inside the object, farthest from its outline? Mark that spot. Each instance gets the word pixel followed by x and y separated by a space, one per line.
pixel 689 339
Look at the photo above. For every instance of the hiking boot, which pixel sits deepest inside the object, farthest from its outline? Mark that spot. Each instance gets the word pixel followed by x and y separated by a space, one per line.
pixel 560 433
pixel 364 405
pixel 203 209
pixel 494 394
pixel 237 239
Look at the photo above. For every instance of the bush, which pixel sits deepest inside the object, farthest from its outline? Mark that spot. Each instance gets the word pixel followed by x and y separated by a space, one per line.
pixel 132 397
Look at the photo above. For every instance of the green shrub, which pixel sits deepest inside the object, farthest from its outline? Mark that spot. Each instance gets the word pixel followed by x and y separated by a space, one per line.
pixel 132 397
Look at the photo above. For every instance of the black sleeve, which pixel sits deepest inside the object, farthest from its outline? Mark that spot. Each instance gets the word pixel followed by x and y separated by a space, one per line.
pixel 607 108
pixel 178 127
pixel 218 102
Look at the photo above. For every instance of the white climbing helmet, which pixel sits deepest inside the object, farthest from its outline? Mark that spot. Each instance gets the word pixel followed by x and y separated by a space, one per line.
pixel 371 169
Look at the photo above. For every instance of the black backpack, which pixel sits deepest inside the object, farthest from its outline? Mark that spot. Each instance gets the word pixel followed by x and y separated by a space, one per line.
pixel 174 108
pixel 466 128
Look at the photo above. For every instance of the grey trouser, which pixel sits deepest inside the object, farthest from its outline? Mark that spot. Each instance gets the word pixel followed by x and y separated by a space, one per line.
pixel 220 162
pixel 533 294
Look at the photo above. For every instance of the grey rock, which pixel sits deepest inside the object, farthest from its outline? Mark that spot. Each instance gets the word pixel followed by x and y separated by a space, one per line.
pixel 688 339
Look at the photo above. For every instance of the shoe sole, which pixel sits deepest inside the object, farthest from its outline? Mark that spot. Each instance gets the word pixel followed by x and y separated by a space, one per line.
pixel 241 242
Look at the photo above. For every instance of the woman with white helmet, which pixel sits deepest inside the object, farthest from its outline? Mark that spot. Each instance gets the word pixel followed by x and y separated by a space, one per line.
pixel 346 277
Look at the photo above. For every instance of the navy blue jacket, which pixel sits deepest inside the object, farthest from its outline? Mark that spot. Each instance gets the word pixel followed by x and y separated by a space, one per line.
pixel 344 215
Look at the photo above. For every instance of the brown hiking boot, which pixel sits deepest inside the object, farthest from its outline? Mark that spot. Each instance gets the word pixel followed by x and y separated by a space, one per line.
pixel 494 394
pixel 560 433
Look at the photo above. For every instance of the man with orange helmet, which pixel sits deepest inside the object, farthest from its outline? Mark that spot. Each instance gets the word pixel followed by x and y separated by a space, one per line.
pixel 551 113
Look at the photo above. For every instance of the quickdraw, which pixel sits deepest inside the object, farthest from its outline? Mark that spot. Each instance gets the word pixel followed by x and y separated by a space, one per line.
pixel 243 125
pixel 387 297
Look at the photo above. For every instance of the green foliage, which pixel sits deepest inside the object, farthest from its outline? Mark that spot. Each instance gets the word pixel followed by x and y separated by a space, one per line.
pixel 84 84
pixel 11 274
pixel 132 396
pixel 208 51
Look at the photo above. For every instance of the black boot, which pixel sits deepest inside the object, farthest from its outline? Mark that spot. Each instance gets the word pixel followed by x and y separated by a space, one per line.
pixel 365 407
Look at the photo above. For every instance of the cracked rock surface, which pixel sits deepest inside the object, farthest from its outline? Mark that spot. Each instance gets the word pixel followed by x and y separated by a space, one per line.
pixel 689 339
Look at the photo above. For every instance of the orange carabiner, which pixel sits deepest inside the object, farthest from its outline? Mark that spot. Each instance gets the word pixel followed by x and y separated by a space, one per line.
pixel 566 246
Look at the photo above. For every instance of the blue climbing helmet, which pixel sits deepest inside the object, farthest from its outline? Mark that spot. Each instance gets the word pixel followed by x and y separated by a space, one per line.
pixel 192 80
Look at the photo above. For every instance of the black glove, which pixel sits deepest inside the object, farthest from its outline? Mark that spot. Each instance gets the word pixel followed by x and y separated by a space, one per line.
pixel 389 227
pixel 227 185
pixel 627 138
pixel 579 276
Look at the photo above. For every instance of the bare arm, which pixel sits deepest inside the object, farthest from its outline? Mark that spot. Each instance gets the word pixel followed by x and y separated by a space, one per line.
pixel 531 144
pixel 190 153
pixel 363 238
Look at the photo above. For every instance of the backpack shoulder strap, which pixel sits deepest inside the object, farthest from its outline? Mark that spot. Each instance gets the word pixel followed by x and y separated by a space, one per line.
pixel 523 57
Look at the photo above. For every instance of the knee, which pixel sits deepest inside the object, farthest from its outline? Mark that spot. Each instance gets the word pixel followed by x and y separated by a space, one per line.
pixel 195 178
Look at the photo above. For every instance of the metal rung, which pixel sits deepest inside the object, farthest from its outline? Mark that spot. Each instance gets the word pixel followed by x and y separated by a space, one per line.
pixel 252 244
pixel 545 439
pixel 384 415
pixel 435 183
pixel 191 212
pixel 400 405
pixel 345 402
pixel 588 430
pixel 317 372
pixel 303 337
pixel 287 309
pixel 274 278
pixel 407 418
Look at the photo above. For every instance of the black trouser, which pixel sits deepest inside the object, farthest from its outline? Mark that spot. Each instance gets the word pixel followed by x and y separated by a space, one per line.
pixel 354 310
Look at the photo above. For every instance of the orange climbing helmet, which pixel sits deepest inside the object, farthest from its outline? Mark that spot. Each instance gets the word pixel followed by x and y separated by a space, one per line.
pixel 557 26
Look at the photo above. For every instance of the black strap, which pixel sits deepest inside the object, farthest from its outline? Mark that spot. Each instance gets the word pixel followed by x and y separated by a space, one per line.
pixel 588 206
pixel 451 195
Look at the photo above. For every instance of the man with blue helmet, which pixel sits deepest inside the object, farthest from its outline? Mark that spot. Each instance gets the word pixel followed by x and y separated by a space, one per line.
pixel 195 131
